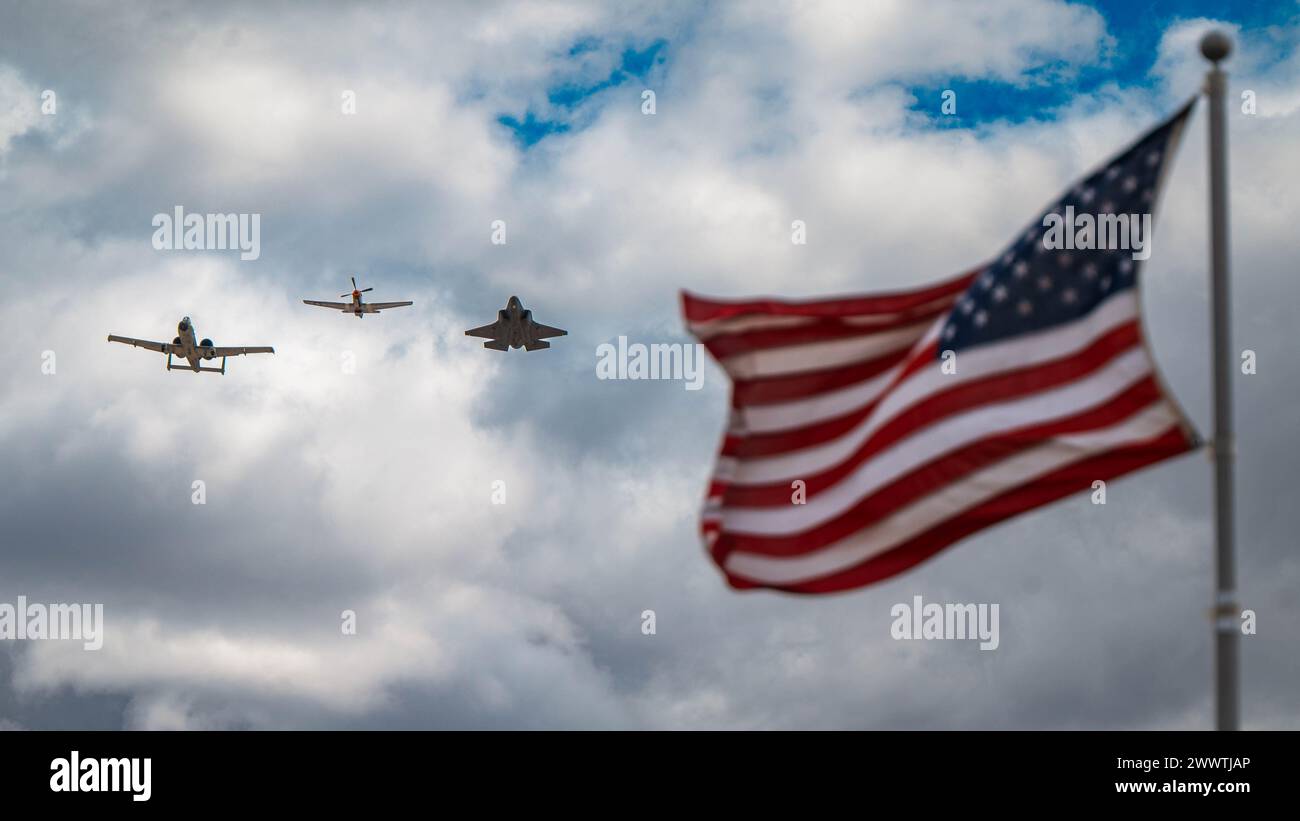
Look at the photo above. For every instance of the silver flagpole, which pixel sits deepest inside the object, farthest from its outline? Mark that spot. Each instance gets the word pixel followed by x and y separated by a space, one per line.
pixel 1227 622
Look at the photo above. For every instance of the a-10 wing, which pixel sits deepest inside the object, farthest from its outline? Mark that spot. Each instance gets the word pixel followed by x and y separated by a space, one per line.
pixel 168 348
pixel 160 347
pixel 239 351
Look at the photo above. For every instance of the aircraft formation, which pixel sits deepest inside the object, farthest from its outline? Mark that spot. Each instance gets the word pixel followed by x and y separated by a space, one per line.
pixel 513 328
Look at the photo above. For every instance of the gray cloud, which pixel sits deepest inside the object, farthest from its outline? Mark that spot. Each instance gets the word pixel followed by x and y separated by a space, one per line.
pixel 372 491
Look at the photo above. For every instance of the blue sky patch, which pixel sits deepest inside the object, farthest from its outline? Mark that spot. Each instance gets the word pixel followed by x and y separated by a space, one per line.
pixel 566 97
pixel 531 130
pixel 1136 29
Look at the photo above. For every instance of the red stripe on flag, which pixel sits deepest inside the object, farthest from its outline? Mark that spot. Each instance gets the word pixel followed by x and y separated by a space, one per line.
pixel 703 309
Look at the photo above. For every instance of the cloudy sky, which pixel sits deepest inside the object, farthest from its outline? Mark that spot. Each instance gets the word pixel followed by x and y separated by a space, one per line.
pixel 371 491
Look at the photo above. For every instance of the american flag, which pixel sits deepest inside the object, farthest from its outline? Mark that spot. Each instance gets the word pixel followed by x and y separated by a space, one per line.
pixel 852 453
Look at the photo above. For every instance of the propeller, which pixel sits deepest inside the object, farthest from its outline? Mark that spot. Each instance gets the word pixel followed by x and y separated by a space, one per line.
pixel 355 290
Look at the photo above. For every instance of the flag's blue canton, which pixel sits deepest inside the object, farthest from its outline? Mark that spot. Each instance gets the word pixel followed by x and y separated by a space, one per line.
pixel 1028 287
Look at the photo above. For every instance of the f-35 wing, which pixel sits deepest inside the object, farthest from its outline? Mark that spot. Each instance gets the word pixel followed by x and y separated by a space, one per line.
pixel 376 307
pixel 492 331
pixel 240 351
pixel 543 331
pixel 160 347
pixel 338 306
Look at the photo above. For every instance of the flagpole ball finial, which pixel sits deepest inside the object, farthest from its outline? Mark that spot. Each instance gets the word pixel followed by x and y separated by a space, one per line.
pixel 1216 45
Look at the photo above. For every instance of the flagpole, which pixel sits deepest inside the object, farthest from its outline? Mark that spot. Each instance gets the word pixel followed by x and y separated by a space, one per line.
pixel 1215 46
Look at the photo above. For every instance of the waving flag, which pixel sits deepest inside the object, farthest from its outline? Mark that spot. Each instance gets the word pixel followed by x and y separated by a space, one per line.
pixel 868 433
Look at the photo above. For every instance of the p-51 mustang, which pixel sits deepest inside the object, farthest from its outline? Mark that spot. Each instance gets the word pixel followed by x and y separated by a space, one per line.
pixel 185 347
pixel 515 328
pixel 356 306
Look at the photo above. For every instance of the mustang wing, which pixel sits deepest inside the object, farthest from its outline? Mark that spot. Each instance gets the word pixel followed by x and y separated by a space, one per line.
pixel 376 307
pixel 160 347
pixel 338 306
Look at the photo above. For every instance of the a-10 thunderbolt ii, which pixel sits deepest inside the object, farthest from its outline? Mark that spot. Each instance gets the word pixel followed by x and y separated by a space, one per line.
pixel 185 347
